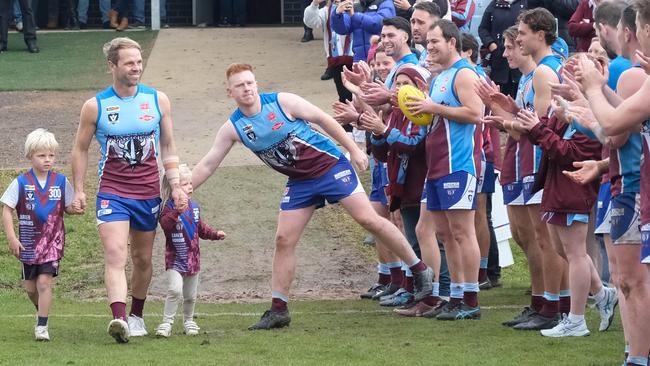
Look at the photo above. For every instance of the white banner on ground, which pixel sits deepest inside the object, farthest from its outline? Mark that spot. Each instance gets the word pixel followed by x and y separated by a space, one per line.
pixel 501 227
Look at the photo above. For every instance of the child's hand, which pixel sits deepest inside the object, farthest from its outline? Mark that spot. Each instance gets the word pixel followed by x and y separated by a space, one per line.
pixel 15 247
pixel 221 235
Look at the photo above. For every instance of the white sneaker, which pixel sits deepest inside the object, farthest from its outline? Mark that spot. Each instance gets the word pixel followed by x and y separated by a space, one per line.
pixel 566 328
pixel 164 330
pixel 607 308
pixel 41 333
pixel 19 26
pixel 119 329
pixel 191 328
pixel 136 326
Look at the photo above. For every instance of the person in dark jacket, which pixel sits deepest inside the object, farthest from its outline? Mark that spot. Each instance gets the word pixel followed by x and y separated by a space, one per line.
pixel 404 8
pixel 562 10
pixel 362 19
pixel 499 16
pixel 29 28
pixel 581 24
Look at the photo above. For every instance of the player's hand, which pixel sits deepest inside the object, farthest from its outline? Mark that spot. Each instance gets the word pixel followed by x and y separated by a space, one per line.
pixel 589 76
pixel 373 122
pixel 354 75
pixel 505 102
pixel 15 246
pixel 402 4
pixel 495 121
pixel 587 172
pixel 417 105
pixel 358 159
pixel 221 235
pixel 375 93
pixel 526 120
pixel 79 202
pixel 345 113
pixel 180 199
pixel 583 115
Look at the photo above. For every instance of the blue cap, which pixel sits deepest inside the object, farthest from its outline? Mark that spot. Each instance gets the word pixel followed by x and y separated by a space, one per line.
pixel 560 48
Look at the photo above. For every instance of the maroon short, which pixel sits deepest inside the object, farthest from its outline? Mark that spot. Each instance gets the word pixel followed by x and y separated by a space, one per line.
pixel 31 271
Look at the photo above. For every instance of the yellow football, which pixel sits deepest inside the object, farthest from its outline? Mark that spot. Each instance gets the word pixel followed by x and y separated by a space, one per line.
pixel 404 92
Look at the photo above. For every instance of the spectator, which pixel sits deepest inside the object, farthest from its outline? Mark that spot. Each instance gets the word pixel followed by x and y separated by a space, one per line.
pixel 462 12
pixel 118 15
pixel 104 8
pixel 309 34
pixel 18 16
pixel 581 24
pixel 362 19
pixel 499 16
pixel 138 14
pixel 404 8
pixel 233 13
pixel 29 27
pixel 338 49
pixel 562 10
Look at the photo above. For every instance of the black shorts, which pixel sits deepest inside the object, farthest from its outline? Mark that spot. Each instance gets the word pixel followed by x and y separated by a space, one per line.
pixel 31 271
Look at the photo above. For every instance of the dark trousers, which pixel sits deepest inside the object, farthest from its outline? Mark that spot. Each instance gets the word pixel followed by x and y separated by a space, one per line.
pixel 6 14
pixel 493 270
pixel 410 217
pixel 122 9
pixel 233 11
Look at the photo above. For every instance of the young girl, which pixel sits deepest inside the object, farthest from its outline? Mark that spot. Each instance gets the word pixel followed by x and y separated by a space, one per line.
pixel 182 254
pixel 39 197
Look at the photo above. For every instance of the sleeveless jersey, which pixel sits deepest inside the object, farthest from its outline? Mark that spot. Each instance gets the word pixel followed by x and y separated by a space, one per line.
pixel 529 154
pixel 290 147
pixel 183 253
pixel 408 59
pixel 40 217
pixel 451 146
pixel 624 166
pixel 128 130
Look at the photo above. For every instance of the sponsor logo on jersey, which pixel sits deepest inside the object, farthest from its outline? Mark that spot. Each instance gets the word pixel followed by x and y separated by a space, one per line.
pixel 195 211
pixel 451 185
pixel 103 212
pixel 342 174
pixel 277 126
pixel 30 187
pixel 113 108
pixel 144 106
pixel 270 116
pixel 146 117
pixel 29 195
pixel 443 89
pixel 113 117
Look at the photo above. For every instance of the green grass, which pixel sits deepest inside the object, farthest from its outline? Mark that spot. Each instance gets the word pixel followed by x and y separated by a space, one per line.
pixel 67 61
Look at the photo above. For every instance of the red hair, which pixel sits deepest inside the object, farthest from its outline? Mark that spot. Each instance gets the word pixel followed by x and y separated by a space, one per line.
pixel 236 69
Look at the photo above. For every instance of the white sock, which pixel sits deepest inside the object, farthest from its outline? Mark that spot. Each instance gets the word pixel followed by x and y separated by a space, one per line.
pixel 576 318
pixel 601 295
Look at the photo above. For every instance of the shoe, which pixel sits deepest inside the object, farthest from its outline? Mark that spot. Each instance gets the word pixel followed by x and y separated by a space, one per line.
pixel 164 330
pixel 83 25
pixel 119 329
pixel 327 75
pixel 137 25
pixel 3 49
pixel 191 328
pixel 388 290
pixel 72 24
pixel 399 298
pixel 485 285
pixel 495 282
pixel 523 317
pixel 52 23
pixel 165 25
pixel 441 307
pixel 124 24
pixel 418 310
pixel 224 23
pixel 41 333
pixel 372 291
pixel 272 319
pixel 308 36
pixel 106 25
pixel 537 322
pixel 460 312
pixel 369 240
pixel 136 326
pixel 32 47
pixel 19 26
pixel 566 328
pixel 408 305
pixel 607 308
pixel 112 18
pixel 422 284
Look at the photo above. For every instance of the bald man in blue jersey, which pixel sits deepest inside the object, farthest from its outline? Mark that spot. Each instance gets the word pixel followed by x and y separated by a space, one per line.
pixel 274 127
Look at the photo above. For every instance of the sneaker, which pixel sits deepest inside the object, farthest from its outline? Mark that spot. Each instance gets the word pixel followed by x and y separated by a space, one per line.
pixel 372 291
pixel 136 326
pixel 137 25
pixel 495 282
pixel 164 330
pixel 402 297
pixel 460 312
pixel 523 317
pixel 607 309
pixel 41 333
pixel 566 328
pixel 119 329
pixel 191 328
pixel 327 75
pixel 423 284
pixel 485 285
pixel 19 26
pixel 537 322
pixel 388 290
pixel 418 310
pixel 272 319
pixel 442 306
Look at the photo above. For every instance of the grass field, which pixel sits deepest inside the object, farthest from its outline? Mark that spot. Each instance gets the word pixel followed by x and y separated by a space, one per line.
pixel 350 332
pixel 67 61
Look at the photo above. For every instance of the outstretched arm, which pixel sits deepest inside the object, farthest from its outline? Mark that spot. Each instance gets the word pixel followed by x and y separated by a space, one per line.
pixel 85 132
pixel 226 137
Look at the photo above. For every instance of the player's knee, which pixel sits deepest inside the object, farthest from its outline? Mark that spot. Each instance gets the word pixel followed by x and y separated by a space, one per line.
pixel 141 262
pixel 43 283
pixel 284 241
pixel 174 292
pixel 372 222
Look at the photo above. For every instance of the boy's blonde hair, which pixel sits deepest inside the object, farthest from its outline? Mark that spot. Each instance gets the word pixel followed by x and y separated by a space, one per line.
pixel 40 139
pixel 184 172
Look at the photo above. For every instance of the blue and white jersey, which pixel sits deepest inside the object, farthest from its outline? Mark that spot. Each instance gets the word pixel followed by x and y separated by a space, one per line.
pixel 422 61
pixel 625 166
pixel 128 130
pixel 408 59
pixel 551 61
pixel 451 146
pixel 290 147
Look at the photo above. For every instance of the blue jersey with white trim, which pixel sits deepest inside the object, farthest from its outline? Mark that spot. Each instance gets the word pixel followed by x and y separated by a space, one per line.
pixel 128 130
pixel 290 147
pixel 408 59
